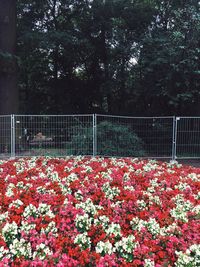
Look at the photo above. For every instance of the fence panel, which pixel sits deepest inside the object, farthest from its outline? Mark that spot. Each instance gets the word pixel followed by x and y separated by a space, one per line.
pixel 5 136
pixel 135 136
pixel 188 137
pixel 103 135
pixel 51 135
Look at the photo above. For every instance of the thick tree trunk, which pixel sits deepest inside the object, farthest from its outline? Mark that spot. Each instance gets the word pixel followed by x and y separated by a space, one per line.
pixel 8 65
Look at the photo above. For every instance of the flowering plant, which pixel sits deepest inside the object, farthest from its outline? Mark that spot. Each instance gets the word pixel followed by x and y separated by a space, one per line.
pixel 86 211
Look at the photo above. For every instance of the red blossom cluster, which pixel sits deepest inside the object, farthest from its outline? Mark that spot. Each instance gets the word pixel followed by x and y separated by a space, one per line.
pixel 81 211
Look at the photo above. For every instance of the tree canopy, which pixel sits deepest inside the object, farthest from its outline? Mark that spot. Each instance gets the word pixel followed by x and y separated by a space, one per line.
pixel 137 57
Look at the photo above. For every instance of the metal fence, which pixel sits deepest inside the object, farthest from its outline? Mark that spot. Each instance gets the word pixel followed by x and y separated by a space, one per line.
pixel 99 135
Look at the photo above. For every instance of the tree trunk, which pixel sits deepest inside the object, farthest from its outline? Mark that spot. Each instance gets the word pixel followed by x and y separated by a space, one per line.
pixel 8 64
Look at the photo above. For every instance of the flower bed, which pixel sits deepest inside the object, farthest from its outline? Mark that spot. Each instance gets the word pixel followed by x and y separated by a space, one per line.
pixel 98 212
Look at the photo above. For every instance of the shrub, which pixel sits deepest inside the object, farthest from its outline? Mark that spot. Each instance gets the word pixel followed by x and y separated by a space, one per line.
pixel 112 140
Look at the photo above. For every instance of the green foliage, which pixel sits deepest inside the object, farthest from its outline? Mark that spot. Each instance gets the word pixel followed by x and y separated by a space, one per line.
pixel 136 57
pixel 113 139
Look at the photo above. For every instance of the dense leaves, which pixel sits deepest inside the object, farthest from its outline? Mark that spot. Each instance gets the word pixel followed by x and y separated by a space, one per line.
pixel 117 56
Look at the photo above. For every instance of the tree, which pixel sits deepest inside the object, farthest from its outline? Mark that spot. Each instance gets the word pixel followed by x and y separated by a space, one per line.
pixel 8 62
pixel 71 49
pixel 169 60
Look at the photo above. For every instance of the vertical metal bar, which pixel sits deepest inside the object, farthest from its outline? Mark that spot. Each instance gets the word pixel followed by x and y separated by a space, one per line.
pixel 12 136
pixel 173 137
pixel 94 135
pixel 175 120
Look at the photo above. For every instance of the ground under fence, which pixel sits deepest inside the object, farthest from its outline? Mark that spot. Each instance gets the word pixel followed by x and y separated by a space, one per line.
pixel 99 135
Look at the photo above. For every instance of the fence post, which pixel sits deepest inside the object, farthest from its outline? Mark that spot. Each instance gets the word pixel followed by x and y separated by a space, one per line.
pixel 94 135
pixel 12 148
pixel 174 141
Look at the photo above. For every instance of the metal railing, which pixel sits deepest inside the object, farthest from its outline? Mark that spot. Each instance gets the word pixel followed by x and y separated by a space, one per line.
pixel 99 135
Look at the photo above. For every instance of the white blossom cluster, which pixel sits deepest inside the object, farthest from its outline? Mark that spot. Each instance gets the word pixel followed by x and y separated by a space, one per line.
pixel 125 247
pixel 126 177
pixel 88 207
pixel 23 186
pixel 104 248
pixel 149 263
pixel 190 258
pixel 83 240
pixel 181 209
pixel 9 231
pixel 197 196
pixel 20 248
pixel 72 177
pixel 4 252
pixel 3 216
pixel 65 188
pixel 129 187
pixel 151 225
pixel 83 222
pixel 87 169
pixel 174 163
pixel 42 251
pixel 9 190
pixel 113 228
pixel 26 227
pixel 142 205
pixel 16 203
pixel 43 190
pixel 194 176
pixel 42 210
pixel 137 224
pixel 102 220
pixel 110 192
pixel 51 228
pixel 78 195
pixel 54 176
pixel 106 175
pixel 150 166
pixel 182 186
pixel 21 165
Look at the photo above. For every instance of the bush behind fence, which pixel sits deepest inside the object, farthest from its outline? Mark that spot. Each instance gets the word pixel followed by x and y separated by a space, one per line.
pixel 99 135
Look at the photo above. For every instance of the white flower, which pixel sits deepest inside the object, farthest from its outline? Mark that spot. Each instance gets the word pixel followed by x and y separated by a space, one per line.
pixel 137 224
pixel 51 228
pixel 113 228
pixel 30 210
pixel 16 203
pixel 83 240
pixel 9 231
pixel 9 190
pixel 191 257
pixel 104 248
pixel 126 246
pixel 3 216
pixel 3 252
pixel 102 220
pixel 26 227
pixel 42 251
pixel 88 207
pixel 149 263
pixel 20 248
pixel 109 191
pixel 83 222
pixel 45 210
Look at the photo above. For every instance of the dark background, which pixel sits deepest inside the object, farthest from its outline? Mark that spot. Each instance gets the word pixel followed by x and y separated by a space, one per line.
pixel 127 57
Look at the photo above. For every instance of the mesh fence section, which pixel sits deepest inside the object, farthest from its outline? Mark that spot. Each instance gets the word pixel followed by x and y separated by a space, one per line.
pixel 101 135
pixel 188 137
pixel 5 136
pixel 135 137
pixel 53 135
